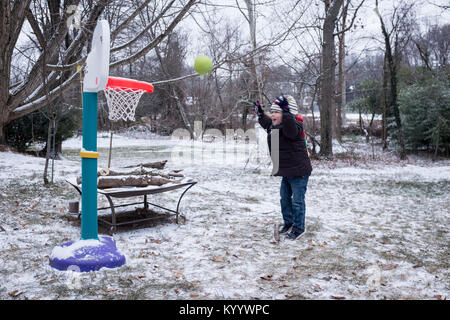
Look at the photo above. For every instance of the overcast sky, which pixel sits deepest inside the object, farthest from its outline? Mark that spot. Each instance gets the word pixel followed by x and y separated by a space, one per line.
pixel 276 15
pixel 269 23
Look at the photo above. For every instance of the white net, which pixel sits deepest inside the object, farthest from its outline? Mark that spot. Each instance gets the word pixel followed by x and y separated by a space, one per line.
pixel 122 103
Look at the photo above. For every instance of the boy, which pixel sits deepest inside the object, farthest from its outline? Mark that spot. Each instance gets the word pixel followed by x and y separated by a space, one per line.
pixel 294 163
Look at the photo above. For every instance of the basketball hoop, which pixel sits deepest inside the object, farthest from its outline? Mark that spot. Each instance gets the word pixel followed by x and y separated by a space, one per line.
pixel 123 95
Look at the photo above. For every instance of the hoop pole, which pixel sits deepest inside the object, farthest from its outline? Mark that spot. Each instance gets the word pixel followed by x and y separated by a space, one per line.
pixel 89 226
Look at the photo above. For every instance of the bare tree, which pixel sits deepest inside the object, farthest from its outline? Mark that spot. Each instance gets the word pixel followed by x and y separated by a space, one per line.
pixel 395 40
pixel 59 52
pixel 327 91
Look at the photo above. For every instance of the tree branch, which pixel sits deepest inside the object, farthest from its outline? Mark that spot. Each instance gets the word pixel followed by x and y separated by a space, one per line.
pixel 43 100
pixel 353 20
pixel 35 26
pixel 144 31
pixel 129 19
pixel 156 41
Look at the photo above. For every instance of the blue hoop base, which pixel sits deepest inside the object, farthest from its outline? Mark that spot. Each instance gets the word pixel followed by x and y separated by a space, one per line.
pixel 87 255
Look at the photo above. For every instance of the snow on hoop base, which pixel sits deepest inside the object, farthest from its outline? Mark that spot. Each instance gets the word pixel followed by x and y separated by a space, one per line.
pixel 87 255
pixel 122 103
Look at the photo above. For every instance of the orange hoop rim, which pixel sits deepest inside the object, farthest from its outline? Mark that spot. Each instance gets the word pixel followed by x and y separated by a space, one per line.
pixel 117 83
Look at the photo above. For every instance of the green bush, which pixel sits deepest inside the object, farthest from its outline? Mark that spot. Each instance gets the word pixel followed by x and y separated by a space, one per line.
pixel 425 110
pixel 367 97
pixel 33 128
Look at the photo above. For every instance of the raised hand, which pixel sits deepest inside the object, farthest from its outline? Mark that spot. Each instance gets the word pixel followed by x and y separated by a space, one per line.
pixel 258 107
pixel 282 102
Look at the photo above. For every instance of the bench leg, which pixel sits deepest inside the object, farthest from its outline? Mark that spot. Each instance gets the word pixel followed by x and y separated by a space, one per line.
pixel 113 228
pixel 179 200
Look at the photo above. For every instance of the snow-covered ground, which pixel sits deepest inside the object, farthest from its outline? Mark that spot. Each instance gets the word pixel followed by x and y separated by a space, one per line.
pixel 376 228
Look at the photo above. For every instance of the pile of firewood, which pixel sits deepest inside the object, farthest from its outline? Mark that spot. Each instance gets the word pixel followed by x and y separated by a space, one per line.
pixel 141 175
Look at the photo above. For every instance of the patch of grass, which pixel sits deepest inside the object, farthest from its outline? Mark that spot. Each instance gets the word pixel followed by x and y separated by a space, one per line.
pixel 251 199
pixel 420 188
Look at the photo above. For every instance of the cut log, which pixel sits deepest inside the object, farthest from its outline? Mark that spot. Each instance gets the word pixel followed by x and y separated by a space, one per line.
pixel 137 172
pixel 130 181
pixel 156 165
pixel 103 172
pixel 173 174
pixel 111 182
pixel 112 173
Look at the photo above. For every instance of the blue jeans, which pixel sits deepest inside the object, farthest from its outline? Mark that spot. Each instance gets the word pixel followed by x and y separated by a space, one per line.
pixel 292 192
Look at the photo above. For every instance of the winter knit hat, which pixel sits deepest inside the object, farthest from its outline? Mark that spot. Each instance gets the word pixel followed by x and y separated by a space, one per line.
pixel 292 105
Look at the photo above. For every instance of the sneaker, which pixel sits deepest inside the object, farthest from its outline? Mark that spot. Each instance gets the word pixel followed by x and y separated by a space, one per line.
pixel 285 228
pixel 296 233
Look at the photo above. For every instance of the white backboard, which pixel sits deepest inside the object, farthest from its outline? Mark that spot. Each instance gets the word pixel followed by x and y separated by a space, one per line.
pixel 97 63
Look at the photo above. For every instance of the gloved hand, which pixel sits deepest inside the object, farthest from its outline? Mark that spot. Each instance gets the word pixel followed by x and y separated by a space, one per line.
pixel 282 102
pixel 259 108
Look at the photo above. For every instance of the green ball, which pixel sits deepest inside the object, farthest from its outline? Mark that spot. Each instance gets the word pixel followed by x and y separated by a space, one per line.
pixel 203 64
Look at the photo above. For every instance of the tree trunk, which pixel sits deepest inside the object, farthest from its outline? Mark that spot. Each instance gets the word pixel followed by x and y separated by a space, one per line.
pixel 341 98
pixel 326 118
pixel 4 94
pixel 392 66
pixel 184 117
pixel 255 92
pixel 48 151
pixel 2 130
pixel 313 119
pixel 384 105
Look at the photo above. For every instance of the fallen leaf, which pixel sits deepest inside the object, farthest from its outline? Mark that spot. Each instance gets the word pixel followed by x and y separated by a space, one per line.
pixel 155 241
pixel 418 266
pixel 15 293
pixel 326 278
pixel 317 288
pixel 267 277
pixel 141 276
pixel 179 275
pixel 389 266
pixel 338 297
pixel 112 289
pixel 310 247
pixel 383 283
pixel 194 295
pixel 218 259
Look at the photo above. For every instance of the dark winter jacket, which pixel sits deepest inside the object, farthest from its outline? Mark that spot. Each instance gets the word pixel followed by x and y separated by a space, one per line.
pixel 293 157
